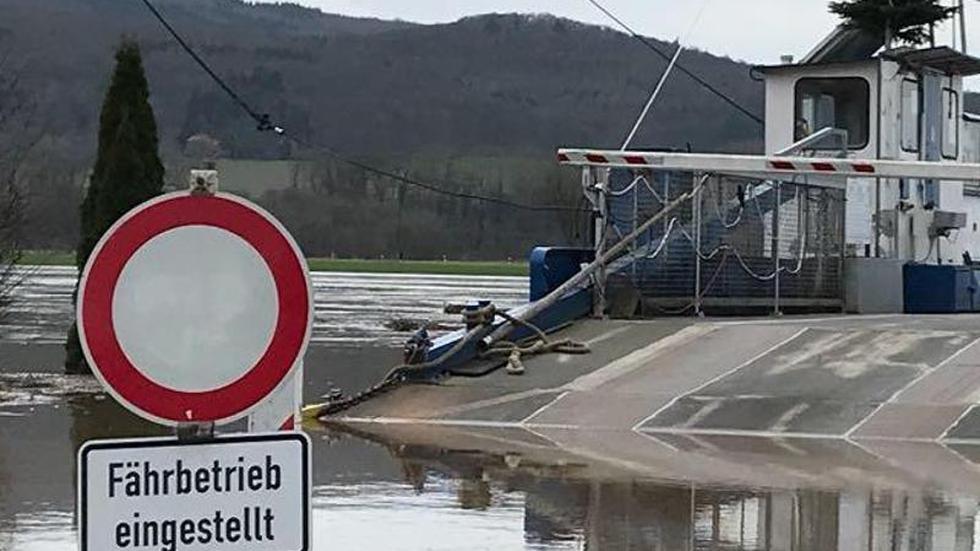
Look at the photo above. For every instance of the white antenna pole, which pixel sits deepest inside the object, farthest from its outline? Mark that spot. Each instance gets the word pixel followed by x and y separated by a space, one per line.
pixel 963 26
pixel 653 96
pixel 663 78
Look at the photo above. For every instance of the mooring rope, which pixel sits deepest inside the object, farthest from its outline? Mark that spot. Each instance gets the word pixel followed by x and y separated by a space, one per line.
pixel 479 320
pixel 539 345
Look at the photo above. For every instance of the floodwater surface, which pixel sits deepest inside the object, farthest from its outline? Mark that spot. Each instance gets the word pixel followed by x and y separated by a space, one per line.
pixel 489 489
pixel 350 309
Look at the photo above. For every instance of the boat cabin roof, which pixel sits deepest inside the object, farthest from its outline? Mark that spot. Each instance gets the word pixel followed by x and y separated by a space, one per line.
pixel 942 58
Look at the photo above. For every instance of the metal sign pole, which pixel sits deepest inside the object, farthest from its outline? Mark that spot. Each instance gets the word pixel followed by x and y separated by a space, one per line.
pixel 602 228
pixel 280 411
pixel 775 246
pixel 633 224
pixel 696 221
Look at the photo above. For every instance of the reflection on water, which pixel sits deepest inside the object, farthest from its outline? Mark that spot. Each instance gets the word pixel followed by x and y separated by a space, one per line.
pixel 560 510
pixel 385 496
pixel 391 516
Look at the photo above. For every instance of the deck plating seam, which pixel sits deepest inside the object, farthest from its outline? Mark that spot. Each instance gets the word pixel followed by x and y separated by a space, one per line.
pixel 910 384
pixel 717 378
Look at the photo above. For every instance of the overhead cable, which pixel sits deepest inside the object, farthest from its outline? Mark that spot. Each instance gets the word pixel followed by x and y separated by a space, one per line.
pixel 667 57
pixel 264 124
pixel 663 78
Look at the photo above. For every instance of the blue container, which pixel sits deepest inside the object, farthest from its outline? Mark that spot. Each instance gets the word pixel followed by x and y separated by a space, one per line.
pixel 552 266
pixel 940 289
pixel 549 268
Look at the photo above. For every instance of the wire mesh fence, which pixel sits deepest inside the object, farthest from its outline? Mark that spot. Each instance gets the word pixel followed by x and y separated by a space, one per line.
pixel 741 245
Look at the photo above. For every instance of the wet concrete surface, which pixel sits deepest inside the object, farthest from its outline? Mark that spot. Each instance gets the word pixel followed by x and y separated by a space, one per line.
pixel 512 398
pixel 967 427
pixel 899 377
pixel 625 393
pixel 823 381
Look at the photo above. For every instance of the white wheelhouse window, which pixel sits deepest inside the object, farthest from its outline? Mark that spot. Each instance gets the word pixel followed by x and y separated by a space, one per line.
pixel 950 124
pixel 838 102
pixel 910 116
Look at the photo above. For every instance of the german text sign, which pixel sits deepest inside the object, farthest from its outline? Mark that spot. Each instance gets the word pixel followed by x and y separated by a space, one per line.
pixel 247 493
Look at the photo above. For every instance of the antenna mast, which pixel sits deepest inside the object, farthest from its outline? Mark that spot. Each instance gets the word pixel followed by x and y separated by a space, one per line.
pixel 963 26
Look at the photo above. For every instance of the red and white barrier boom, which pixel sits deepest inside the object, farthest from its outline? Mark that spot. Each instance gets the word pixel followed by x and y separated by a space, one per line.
pixel 769 166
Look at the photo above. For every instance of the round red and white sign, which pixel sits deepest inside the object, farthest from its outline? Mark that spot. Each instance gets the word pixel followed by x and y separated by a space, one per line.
pixel 194 308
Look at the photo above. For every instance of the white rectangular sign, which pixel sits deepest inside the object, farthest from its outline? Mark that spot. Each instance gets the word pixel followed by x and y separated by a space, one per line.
pixel 247 493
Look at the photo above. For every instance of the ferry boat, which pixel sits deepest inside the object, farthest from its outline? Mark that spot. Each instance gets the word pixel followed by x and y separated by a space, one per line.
pixel 668 341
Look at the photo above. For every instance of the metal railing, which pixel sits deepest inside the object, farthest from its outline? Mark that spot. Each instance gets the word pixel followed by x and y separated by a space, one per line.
pixel 741 245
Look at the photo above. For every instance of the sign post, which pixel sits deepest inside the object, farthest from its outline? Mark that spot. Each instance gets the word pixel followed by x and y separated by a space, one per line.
pixel 195 309
pixel 281 410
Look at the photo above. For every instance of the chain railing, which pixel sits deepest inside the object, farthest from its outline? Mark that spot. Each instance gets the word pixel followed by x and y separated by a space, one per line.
pixel 742 245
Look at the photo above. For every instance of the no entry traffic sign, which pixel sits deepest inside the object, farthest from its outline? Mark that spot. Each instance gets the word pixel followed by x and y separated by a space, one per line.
pixel 237 492
pixel 194 308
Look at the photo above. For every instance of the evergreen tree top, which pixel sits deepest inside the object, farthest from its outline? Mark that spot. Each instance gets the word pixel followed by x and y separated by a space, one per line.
pixel 127 99
pixel 906 19
pixel 127 168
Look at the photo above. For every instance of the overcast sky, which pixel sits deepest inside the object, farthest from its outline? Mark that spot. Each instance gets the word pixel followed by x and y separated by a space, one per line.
pixel 757 31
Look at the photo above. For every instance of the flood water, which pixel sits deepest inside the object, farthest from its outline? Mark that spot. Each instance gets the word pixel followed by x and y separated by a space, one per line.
pixel 377 494
pixel 350 309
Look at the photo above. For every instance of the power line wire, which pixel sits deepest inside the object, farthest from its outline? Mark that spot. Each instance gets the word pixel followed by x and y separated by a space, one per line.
pixel 263 122
pixel 663 78
pixel 435 189
pixel 728 99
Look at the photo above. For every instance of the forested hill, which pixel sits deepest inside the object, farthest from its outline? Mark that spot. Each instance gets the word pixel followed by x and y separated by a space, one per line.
pixel 477 106
pixel 500 83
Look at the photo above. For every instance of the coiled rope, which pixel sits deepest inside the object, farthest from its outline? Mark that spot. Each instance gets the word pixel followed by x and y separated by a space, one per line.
pixel 478 322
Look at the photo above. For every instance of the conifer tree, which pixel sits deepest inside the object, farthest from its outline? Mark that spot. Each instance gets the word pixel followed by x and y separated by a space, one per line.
pixel 127 168
pixel 903 20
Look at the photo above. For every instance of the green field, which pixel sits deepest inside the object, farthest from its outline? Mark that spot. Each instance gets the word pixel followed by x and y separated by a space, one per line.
pixel 47 258
pixel 448 267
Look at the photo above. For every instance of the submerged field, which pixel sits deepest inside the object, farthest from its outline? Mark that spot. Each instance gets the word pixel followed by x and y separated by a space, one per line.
pixel 447 267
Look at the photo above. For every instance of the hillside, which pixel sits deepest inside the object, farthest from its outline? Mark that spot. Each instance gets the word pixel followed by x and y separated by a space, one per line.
pixel 495 82
pixel 477 106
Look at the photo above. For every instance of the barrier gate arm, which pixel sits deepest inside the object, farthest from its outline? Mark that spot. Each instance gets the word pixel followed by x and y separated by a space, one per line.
pixel 769 166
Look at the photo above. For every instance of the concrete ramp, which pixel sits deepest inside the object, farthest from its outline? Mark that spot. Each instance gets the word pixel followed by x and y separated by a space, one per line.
pixel 824 382
pixel 627 391
pixel 912 378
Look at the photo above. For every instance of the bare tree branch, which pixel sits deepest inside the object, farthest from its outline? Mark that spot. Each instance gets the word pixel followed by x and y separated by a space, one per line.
pixel 16 144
